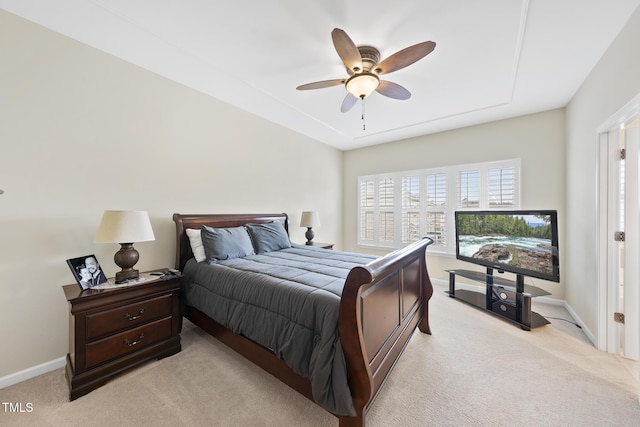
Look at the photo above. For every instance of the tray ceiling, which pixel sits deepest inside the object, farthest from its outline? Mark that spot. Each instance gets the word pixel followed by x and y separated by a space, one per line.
pixel 493 59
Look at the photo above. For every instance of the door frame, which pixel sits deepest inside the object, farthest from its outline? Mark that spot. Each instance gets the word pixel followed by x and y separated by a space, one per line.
pixel 606 334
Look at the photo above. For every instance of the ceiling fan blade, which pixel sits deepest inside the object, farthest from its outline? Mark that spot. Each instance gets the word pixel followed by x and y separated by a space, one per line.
pixel 321 84
pixel 393 90
pixel 347 50
pixel 348 103
pixel 405 57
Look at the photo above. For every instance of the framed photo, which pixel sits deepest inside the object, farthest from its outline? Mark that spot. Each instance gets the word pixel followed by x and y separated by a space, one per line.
pixel 87 271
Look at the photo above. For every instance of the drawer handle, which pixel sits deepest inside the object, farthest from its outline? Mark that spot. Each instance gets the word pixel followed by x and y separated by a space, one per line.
pixel 137 316
pixel 132 343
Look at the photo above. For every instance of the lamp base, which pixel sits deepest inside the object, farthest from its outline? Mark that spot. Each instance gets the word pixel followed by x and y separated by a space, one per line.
pixel 126 275
pixel 126 258
pixel 309 235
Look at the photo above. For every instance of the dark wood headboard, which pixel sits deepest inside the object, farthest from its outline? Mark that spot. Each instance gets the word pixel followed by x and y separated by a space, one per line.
pixel 196 221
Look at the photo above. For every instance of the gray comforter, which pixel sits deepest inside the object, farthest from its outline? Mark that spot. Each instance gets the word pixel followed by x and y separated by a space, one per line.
pixel 287 301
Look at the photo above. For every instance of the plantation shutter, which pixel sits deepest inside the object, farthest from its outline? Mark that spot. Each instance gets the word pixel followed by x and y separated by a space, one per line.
pixel 367 206
pixel 411 226
pixel 468 189
pixel 436 209
pixel 502 188
pixel 386 228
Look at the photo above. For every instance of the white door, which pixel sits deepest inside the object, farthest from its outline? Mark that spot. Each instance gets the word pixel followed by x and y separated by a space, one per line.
pixel 630 290
pixel 620 237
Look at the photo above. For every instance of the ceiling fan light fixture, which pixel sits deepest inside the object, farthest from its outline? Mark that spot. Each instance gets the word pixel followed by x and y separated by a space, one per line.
pixel 363 84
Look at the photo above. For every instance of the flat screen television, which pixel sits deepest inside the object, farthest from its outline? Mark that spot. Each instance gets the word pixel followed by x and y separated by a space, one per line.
pixel 524 242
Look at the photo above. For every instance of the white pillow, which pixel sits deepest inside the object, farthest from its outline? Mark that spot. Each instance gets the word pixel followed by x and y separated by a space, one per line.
pixel 196 244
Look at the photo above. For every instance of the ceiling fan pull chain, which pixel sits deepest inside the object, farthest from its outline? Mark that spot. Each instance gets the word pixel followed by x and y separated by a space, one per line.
pixel 364 123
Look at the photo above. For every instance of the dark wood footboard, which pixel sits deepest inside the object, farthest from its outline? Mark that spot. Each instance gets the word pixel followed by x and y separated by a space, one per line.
pixel 382 304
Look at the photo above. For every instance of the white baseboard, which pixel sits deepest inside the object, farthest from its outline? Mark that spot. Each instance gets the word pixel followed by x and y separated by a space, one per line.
pixel 572 313
pixel 579 321
pixel 32 372
pixel 440 282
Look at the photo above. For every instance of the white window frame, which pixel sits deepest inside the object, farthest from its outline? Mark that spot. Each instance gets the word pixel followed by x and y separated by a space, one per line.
pixel 451 205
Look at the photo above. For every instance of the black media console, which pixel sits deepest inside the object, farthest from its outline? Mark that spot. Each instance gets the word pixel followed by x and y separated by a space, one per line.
pixel 503 297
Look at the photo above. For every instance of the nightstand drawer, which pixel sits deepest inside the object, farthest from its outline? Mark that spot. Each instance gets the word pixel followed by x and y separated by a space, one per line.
pixel 126 342
pixel 127 316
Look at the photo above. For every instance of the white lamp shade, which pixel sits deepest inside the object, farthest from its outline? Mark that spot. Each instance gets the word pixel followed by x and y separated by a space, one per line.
pixel 309 219
pixel 124 227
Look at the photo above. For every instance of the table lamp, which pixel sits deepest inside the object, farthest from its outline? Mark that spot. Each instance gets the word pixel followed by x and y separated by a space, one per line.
pixel 125 227
pixel 309 219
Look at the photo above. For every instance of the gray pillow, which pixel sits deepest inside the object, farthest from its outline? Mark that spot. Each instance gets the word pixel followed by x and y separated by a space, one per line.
pixel 226 243
pixel 268 237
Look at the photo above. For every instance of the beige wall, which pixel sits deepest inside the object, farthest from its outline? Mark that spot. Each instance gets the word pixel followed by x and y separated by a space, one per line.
pixel 81 132
pixel 537 139
pixel 613 82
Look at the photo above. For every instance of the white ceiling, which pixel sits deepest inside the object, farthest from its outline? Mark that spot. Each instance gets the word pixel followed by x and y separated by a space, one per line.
pixel 493 59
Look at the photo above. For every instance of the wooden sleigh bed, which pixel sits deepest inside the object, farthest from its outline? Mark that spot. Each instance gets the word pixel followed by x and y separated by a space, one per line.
pixel 381 305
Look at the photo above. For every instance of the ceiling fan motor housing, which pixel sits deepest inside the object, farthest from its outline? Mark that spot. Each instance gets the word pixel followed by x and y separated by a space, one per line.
pixel 370 58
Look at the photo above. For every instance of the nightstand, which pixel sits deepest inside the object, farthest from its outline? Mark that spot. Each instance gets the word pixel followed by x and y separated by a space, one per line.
pixel 321 245
pixel 114 329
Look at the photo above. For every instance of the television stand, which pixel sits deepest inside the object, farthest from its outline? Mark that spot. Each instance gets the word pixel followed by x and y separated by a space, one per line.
pixel 505 298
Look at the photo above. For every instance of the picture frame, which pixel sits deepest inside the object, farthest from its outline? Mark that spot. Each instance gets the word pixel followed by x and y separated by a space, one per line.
pixel 87 271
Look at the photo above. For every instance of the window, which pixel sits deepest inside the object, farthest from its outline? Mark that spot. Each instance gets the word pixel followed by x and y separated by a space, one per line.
pixel 468 189
pixel 501 187
pixel 410 208
pixel 386 204
pixel 400 208
pixel 367 203
pixel 436 210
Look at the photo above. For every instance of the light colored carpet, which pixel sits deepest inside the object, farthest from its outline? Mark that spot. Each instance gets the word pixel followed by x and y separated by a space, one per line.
pixel 475 370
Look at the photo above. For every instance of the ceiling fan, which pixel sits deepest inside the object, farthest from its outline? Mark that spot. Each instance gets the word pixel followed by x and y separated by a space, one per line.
pixel 364 69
